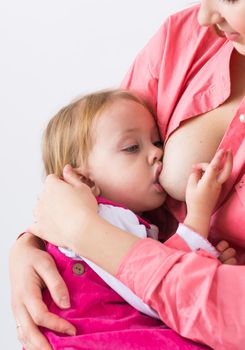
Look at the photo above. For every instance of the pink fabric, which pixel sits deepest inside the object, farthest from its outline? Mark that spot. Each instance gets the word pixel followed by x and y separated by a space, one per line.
pixel 103 319
pixel 193 293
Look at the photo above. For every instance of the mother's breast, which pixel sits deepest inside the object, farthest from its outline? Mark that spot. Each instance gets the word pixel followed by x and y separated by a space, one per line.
pixel 195 141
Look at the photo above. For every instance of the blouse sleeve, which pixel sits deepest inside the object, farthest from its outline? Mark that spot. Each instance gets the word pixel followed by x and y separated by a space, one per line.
pixel 193 293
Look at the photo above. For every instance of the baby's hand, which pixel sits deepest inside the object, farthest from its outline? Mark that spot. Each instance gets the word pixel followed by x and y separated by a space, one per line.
pixel 203 190
pixel 227 254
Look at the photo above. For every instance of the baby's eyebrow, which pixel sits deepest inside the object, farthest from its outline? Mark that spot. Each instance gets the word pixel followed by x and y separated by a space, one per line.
pixel 122 134
pixel 126 132
pixel 154 130
pixel 130 130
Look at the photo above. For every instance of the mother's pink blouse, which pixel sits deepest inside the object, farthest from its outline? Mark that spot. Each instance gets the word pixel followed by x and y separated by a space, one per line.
pixel 184 72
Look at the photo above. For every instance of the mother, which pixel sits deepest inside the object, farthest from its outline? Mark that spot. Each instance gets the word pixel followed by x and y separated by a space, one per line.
pixel 195 78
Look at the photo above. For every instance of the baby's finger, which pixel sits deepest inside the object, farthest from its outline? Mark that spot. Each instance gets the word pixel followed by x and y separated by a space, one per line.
pixel 217 159
pixel 213 168
pixel 200 166
pixel 194 177
pixel 227 168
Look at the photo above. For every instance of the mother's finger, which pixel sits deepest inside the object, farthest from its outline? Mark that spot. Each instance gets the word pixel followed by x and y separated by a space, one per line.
pixel 34 229
pixel 227 254
pixel 71 176
pixel 231 261
pixel 222 245
pixel 58 290
pixel 28 333
pixel 55 284
pixel 44 318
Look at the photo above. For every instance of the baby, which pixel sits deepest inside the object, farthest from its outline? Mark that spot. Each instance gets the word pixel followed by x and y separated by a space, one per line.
pixel 112 140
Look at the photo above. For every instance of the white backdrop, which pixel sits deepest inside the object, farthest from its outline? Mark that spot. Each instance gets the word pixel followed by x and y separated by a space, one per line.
pixel 52 51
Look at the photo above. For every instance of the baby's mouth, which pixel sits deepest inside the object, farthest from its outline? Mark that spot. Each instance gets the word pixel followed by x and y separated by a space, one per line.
pixel 157 173
pixel 156 178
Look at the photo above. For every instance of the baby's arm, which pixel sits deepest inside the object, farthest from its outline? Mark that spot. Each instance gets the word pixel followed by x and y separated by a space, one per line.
pixel 203 190
pixel 202 193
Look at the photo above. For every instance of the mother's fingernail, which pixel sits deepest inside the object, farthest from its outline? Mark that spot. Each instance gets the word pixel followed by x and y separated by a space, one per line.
pixel 64 302
pixel 71 332
pixel 67 167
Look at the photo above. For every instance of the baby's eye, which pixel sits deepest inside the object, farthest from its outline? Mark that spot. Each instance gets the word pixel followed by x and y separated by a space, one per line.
pixel 131 149
pixel 158 143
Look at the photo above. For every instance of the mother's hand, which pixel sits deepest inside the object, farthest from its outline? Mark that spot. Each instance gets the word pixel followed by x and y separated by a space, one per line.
pixel 31 269
pixel 63 209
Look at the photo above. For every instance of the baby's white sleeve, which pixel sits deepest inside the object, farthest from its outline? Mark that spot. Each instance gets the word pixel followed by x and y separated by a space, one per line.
pixel 122 218
pixel 196 241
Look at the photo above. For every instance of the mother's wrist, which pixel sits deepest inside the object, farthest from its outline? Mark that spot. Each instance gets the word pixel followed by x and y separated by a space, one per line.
pixel 83 228
pixel 27 238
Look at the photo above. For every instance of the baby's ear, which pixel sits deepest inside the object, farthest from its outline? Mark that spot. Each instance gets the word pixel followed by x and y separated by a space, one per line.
pixel 94 188
pixel 84 177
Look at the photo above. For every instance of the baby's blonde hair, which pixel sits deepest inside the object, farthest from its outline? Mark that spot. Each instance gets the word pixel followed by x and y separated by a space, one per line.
pixel 68 138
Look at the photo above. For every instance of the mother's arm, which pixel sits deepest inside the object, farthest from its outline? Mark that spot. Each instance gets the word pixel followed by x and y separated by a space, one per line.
pixel 31 269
